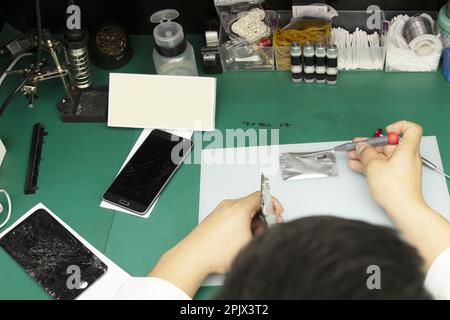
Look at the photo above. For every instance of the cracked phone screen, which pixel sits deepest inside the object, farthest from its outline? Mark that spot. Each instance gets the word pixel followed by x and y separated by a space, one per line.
pixel 148 171
pixel 53 256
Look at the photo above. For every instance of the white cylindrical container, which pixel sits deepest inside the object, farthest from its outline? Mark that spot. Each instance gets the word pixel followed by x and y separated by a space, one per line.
pixel 172 55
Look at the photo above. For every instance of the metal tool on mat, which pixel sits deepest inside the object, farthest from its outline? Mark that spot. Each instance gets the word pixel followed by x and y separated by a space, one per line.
pixel 34 158
pixel 267 214
pixel 427 163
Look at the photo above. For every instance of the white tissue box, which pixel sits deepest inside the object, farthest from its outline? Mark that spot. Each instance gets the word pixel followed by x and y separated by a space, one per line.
pixel 2 152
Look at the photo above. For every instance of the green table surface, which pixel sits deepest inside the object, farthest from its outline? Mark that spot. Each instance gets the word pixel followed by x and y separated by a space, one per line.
pixel 79 160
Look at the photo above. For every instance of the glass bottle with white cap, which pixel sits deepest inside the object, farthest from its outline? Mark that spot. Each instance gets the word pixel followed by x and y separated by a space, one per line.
pixel 172 55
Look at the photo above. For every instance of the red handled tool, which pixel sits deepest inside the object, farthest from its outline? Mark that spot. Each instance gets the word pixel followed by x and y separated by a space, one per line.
pixel 391 139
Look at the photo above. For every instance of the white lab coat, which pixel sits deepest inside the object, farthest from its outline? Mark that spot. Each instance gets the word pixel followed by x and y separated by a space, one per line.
pixel 437 282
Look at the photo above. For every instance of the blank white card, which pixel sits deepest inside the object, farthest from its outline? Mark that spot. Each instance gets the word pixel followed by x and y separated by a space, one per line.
pixel 163 102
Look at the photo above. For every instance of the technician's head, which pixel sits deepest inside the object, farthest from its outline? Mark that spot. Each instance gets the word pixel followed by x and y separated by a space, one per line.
pixel 326 258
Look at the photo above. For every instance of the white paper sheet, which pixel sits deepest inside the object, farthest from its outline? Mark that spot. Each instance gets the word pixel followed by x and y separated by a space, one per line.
pixel 106 286
pixel 345 196
pixel 139 142
pixel 165 102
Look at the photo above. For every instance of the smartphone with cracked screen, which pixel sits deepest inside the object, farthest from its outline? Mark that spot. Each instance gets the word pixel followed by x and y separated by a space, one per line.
pixel 149 170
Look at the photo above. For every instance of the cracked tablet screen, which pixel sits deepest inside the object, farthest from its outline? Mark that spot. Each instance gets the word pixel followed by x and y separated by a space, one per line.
pixel 53 256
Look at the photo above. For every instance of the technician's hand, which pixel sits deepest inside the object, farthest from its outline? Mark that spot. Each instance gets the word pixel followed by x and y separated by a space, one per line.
pixel 394 173
pixel 213 245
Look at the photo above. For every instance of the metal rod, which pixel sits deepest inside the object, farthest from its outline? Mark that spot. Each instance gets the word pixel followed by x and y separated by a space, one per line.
pixel 427 163
pixel 58 67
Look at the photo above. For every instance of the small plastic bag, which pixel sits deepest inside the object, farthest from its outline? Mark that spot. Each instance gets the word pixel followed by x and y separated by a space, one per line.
pixel 300 166
pixel 243 20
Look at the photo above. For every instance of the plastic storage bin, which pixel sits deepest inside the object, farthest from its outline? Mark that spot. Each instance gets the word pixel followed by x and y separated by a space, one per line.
pixel 245 56
pixel 367 59
pixel 410 61
pixel 349 20
pixel 282 53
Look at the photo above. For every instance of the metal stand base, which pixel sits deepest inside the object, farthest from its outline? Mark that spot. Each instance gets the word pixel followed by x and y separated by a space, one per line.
pixel 89 105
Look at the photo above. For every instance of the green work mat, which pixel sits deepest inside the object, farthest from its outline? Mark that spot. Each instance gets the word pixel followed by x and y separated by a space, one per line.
pixel 79 160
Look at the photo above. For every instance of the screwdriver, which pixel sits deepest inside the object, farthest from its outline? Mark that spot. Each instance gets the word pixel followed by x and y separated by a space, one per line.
pixel 391 139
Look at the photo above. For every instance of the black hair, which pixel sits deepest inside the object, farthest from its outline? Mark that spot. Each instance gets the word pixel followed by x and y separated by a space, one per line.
pixel 326 258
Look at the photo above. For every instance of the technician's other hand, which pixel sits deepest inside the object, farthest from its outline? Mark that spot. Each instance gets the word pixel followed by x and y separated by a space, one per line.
pixel 213 245
pixel 394 173
pixel 227 230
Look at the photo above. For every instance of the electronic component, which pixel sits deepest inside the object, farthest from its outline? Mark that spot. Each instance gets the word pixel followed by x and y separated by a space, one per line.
pixel 34 158
pixel 296 62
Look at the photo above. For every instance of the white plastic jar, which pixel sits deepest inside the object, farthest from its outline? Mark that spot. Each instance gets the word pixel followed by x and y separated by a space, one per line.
pixel 172 55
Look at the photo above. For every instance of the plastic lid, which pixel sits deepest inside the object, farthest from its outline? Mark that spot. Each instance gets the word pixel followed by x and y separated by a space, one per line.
pixel 320 49
pixel 164 15
pixel 168 34
pixel 332 49
pixel 308 49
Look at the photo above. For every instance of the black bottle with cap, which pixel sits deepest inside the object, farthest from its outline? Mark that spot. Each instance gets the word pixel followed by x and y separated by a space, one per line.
pixel 308 62
pixel 320 57
pixel 296 62
pixel 332 64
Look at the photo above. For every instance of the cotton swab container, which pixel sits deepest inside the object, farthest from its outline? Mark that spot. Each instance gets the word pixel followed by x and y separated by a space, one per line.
pixel 360 46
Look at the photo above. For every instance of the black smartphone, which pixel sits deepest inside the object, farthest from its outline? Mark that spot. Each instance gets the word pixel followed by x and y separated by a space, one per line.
pixel 143 178
pixel 53 256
